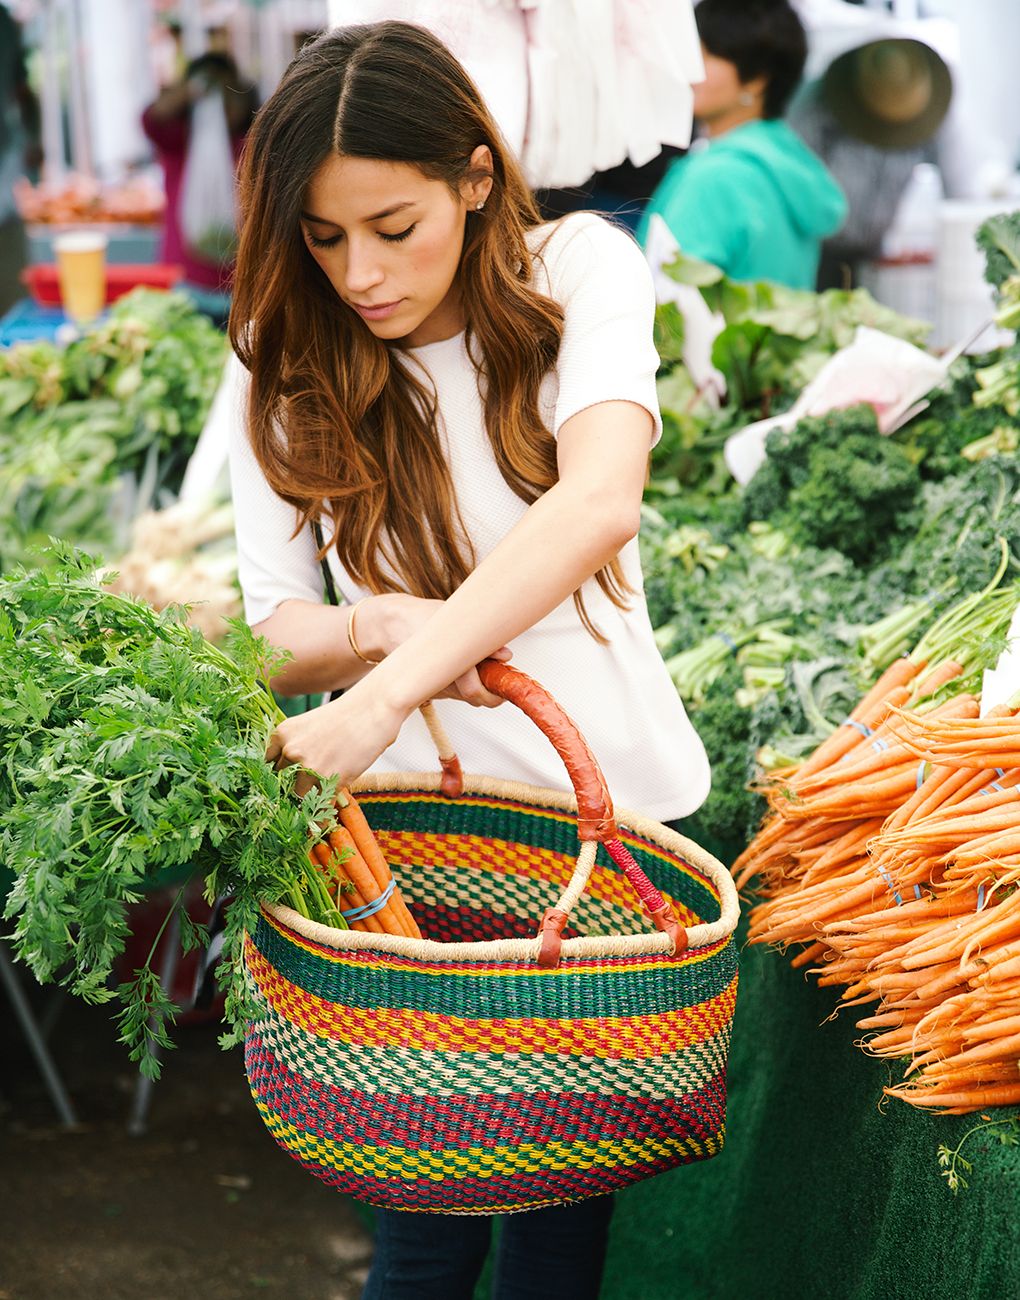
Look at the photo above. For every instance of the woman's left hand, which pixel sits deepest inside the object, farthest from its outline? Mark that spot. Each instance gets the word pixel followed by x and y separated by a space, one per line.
pixel 340 739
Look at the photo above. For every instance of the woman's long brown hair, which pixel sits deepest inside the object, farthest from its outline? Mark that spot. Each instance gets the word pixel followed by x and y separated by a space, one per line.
pixel 340 425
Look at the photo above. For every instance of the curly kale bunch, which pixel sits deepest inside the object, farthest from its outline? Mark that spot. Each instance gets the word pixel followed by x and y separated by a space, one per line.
pixel 834 481
pixel 731 814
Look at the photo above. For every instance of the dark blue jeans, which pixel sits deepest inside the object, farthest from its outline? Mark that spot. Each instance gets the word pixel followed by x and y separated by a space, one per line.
pixel 554 1252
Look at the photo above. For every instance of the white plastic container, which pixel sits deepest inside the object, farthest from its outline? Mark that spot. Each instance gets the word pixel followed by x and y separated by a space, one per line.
pixel 963 298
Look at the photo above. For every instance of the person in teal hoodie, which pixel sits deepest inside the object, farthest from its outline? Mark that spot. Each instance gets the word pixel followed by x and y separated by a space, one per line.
pixel 750 196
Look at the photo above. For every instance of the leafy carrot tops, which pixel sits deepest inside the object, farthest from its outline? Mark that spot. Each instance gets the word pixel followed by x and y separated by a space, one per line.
pixel 130 746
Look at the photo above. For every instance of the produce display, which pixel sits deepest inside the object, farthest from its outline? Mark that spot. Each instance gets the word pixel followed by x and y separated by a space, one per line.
pixel 93 433
pixel 890 860
pixel 830 627
pixel 778 606
pixel 132 746
pixel 139 200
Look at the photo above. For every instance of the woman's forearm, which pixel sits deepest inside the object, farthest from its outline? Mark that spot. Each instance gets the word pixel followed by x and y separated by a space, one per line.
pixel 568 534
pixel 561 542
pixel 316 637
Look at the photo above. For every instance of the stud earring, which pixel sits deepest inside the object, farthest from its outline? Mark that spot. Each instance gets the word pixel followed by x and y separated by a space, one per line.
pixel 745 99
pixel 479 206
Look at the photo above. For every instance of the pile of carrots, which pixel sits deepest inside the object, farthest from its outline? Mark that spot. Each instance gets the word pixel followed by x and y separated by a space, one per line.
pixel 892 856
pixel 358 875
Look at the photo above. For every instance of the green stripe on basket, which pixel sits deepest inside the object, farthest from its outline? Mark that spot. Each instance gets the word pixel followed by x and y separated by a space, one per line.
pixel 452 1074
pixel 657 987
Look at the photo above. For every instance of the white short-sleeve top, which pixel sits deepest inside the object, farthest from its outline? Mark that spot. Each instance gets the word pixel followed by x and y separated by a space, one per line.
pixel 619 694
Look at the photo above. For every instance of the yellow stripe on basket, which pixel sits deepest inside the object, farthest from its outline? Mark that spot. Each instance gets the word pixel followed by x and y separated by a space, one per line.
pixel 363 958
pixel 623 1037
pixel 478 1162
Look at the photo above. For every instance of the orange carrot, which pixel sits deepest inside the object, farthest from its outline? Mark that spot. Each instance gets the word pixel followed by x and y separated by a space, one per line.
pixel 355 822
pixel 365 882
pixel 942 673
pixel 809 954
pixel 959 1101
pixel 329 858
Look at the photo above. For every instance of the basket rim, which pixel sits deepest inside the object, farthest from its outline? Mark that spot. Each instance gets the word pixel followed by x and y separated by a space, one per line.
pixel 591 946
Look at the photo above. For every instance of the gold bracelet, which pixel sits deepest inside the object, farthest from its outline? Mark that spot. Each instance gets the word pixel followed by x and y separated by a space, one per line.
pixel 350 634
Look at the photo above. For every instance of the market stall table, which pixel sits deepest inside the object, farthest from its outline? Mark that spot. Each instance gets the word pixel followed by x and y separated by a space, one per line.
pixel 823 1184
pixel 28 322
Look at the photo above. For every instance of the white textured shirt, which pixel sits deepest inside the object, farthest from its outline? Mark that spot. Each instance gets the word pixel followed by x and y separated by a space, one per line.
pixel 618 694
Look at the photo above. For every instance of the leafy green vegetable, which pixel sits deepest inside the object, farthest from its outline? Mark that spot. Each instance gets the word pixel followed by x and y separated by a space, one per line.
pixel 773 341
pixel 669 333
pixel 132 746
pixel 999 239
pixel 834 481
pixel 124 403
pixel 937 437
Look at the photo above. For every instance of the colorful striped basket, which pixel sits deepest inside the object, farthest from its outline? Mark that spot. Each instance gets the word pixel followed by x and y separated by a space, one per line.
pixel 484 1068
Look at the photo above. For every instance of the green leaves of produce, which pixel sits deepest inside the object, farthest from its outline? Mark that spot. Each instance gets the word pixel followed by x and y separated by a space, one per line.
pixel 130 396
pixel 131 746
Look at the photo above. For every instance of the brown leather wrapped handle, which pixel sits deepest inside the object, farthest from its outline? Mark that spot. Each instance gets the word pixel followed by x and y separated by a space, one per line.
pixel 595 819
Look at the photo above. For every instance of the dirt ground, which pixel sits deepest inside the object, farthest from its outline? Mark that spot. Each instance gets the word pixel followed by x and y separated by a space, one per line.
pixel 203 1205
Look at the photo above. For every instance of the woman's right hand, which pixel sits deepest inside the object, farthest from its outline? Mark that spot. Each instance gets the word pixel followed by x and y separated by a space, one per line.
pixel 387 621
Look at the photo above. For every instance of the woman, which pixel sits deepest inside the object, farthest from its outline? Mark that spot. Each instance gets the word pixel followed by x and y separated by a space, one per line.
pixel 464 401
pixel 167 123
pixel 750 196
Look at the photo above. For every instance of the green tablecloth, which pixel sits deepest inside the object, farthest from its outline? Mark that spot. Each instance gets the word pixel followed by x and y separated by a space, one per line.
pixel 820 1188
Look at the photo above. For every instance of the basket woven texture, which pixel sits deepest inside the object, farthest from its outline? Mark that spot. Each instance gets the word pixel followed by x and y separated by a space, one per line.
pixel 455 1072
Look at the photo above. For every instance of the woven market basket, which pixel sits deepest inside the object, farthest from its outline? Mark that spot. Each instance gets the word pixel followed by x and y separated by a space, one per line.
pixel 484 1068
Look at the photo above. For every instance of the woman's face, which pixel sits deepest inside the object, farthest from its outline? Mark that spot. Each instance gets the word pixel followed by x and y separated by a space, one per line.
pixel 389 241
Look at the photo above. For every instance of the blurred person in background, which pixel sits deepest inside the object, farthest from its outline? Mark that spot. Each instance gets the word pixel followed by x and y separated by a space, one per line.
pixel 750 196
pixel 167 123
pixel 20 152
pixel 873 117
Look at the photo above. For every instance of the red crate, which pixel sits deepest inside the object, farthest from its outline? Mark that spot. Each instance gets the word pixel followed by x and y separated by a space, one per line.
pixel 44 286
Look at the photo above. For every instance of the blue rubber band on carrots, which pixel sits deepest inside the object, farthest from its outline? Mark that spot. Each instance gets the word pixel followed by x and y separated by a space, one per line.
pixel 369 909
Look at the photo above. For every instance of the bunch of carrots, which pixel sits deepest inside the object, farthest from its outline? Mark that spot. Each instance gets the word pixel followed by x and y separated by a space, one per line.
pixel 358 875
pixel 891 855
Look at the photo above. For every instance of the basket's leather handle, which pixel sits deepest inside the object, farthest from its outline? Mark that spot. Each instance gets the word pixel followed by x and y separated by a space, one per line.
pixel 595 819
pixel 594 806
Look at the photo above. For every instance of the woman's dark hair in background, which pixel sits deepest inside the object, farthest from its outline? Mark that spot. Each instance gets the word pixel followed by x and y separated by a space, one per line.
pixel 240 98
pixel 213 64
pixel 762 38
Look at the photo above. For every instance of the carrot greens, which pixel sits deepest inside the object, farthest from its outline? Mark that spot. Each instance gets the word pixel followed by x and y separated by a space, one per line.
pixel 133 753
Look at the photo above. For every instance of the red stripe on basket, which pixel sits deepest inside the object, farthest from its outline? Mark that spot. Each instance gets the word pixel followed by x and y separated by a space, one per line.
pixel 446 923
pixel 478 1120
